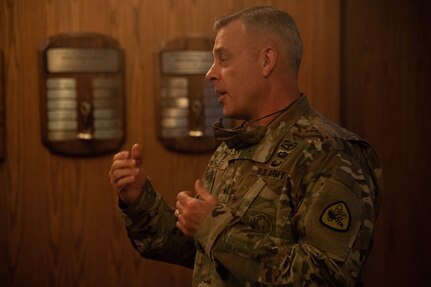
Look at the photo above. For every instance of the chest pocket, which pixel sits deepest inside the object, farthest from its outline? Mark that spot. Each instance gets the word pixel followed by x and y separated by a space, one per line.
pixel 258 208
pixel 213 175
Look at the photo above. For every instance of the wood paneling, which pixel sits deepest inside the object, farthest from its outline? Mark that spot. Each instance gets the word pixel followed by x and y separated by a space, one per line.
pixel 2 109
pixel 385 97
pixel 58 217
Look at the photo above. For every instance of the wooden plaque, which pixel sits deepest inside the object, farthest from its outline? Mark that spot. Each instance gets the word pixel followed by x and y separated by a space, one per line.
pixel 186 104
pixel 82 94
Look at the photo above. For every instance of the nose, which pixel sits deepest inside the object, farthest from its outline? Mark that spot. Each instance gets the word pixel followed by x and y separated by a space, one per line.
pixel 211 74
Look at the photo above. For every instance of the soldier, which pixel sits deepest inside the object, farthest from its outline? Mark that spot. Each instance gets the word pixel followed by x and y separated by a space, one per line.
pixel 288 199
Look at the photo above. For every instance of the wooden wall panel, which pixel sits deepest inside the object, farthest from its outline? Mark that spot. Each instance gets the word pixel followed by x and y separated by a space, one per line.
pixel 385 98
pixel 58 217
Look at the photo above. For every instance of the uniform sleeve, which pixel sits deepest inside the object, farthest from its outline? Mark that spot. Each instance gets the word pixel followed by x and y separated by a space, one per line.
pixel 151 228
pixel 333 223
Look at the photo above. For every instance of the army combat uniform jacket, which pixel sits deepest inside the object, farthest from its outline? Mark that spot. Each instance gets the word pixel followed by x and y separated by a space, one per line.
pixel 296 209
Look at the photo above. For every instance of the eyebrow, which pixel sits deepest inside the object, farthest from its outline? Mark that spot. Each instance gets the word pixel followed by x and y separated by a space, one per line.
pixel 221 50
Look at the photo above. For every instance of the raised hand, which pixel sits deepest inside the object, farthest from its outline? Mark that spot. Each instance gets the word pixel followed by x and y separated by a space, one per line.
pixel 191 210
pixel 126 174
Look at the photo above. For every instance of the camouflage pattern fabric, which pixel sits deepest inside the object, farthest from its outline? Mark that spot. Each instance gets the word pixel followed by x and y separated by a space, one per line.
pixel 297 209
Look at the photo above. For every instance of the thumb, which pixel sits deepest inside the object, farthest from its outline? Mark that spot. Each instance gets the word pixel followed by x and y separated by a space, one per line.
pixel 136 154
pixel 200 191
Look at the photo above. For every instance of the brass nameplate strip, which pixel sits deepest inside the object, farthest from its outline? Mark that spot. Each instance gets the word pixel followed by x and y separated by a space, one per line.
pixel 174 123
pixel 187 62
pixel 176 82
pixel 103 124
pixel 112 103
pixel 72 60
pixel 61 104
pixel 62 125
pixel 105 93
pixel 106 113
pixel 174 93
pixel 176 103
pixel 175 112
pixel 61 94
pixel 62 114
pixel 109 83
pixel 61 83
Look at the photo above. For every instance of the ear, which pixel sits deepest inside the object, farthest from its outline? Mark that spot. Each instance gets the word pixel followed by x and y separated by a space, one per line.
pixel 269 55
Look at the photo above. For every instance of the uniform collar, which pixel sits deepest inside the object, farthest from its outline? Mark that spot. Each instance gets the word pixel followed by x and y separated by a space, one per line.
pixel 262 151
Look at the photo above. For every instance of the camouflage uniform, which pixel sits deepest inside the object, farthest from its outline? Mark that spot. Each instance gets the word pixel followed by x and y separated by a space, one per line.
pixel 297 209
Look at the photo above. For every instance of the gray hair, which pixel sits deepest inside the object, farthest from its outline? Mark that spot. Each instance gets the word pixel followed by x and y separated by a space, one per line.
pixel 273 22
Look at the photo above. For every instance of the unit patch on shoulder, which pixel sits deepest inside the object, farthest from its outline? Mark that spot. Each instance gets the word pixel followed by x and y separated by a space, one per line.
pixel 336 216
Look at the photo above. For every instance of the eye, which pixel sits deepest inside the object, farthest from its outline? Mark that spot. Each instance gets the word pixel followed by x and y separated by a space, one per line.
pixel 224 60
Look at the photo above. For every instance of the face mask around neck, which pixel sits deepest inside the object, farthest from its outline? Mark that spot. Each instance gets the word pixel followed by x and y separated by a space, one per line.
pixel 240 137
pixel 243 135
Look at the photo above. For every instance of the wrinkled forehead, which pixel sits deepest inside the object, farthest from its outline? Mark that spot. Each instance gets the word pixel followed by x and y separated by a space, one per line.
pixel 232 36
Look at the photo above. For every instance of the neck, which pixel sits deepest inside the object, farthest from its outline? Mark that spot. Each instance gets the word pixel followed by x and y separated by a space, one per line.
pixel 274 108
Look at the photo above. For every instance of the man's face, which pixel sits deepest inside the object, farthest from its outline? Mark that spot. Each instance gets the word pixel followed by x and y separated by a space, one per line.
pixel 236 72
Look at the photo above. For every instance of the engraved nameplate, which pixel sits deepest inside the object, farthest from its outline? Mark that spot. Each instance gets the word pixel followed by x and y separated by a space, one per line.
pixel 104 93
pixel 70 60
pixel 106 113
pixel 186 62
pixel 176 82
pixel 103 124
pixel 61 104
pixel 175 112
pixel 174 123
pixel 174 93
pixel 62 125
pixel 61 83
pixel 176 103
pixel 62 114
pixel 61 94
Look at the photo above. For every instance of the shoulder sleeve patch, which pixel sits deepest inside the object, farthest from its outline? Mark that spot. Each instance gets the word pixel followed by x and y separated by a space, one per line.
pixel 336 216
pixel 332 217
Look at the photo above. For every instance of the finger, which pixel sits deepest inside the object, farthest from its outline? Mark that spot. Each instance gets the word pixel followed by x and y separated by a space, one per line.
pixel 118 173
pixel 185 196
pixel 123 176
pixel 121 155
pixel 120 166
pixel 179 206
pixel 123 163
pixel 201 192
pixel 123 182
pixel 137 154
pixel 183 227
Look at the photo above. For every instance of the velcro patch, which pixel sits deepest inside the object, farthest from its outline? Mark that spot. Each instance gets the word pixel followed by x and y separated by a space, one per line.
pixel 336 216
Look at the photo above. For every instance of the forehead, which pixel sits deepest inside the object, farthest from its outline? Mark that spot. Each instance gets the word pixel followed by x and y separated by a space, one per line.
pixel 231 37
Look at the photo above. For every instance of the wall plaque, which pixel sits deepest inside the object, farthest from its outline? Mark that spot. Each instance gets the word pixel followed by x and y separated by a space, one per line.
pixel 186 104
pixel 82 94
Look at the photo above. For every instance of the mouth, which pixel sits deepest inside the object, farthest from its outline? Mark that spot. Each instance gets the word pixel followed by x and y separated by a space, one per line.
pixel 220 94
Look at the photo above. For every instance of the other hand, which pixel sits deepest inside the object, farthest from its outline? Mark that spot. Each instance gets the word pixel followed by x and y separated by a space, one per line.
pixel 191 210
pixel 126 174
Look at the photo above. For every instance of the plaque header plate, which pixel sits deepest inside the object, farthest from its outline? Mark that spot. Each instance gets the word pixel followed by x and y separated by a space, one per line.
pixel 186 62
pixel 75 60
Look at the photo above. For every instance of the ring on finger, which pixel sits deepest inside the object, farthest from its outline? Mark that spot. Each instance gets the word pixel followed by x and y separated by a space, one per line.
pixel 177 212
